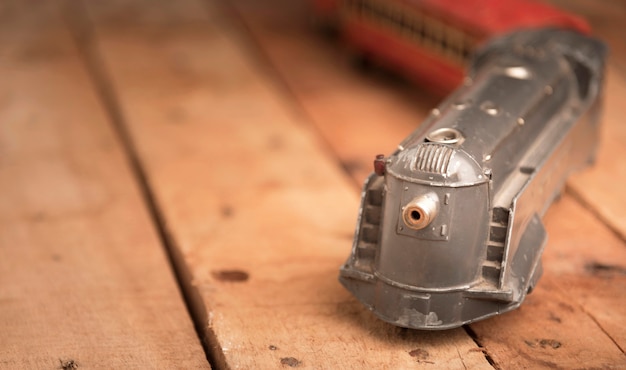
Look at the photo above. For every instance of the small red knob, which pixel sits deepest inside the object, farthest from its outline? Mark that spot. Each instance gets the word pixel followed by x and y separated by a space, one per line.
pixel 380 165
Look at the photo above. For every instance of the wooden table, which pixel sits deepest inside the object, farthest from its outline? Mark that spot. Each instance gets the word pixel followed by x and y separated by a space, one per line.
pixel 180 183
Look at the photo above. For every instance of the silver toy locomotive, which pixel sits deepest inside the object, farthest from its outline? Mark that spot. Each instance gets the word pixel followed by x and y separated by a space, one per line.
pixel 449 230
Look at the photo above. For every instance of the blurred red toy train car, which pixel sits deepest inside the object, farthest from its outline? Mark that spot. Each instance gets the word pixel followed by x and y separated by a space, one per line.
pixel 431 41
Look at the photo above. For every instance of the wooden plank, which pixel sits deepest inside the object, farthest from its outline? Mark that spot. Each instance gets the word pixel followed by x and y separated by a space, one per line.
pixel 260 212
pixel 84 280
pixel 566 322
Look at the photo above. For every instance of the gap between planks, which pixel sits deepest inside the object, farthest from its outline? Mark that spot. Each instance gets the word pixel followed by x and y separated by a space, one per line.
pixel 82 30
pixel 85 281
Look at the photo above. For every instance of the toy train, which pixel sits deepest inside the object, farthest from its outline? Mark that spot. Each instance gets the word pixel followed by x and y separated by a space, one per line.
pixel 449 230
pixel 432 41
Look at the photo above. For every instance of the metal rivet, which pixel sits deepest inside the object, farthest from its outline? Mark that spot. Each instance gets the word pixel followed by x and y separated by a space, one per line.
pixel 519 72
pixel 490 108
pixel 444 230
pixel 489 173
pixel 460 105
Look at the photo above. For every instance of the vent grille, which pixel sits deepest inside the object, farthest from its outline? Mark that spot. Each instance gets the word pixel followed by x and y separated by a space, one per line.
pixel 433 158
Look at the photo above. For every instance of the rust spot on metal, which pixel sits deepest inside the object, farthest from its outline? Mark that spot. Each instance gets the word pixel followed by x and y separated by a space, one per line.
pixel 380 167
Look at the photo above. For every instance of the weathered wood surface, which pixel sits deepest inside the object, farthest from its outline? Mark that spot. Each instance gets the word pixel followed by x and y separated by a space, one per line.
pixel 258 208
pixel 252 131
pixel 84 281
pixel 577 316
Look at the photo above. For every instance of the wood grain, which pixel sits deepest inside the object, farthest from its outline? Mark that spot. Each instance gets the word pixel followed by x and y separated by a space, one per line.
pixel 84 281
pixel 257 206
pixel 579 303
